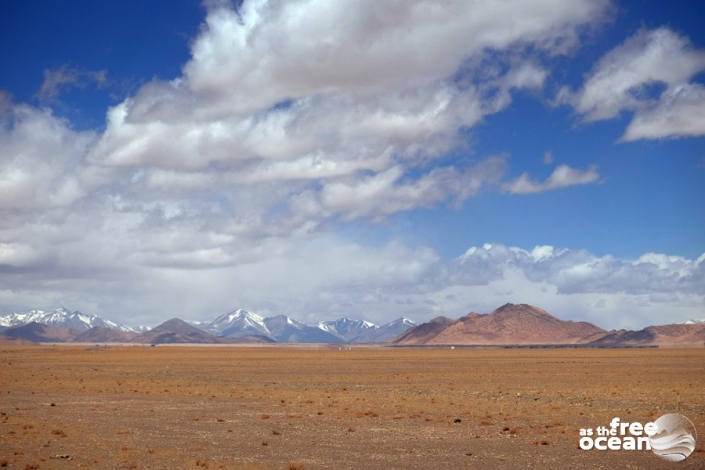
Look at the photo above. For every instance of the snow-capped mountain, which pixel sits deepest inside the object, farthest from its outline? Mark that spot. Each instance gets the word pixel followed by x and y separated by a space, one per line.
pixel 694 322
pixel 281 328
pixel 284 329
pixel 61 318
pixel 237 323
pixel 287 330
pixel 366 332
pixel 346 328
pixel 387 332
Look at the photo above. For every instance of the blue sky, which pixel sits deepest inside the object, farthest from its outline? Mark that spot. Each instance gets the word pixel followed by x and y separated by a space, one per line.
pixel 318 159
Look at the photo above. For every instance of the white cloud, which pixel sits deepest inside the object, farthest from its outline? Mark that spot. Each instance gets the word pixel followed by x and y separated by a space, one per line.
pixel 562 177
pixel 39 155
pixel 650 75
pixel 679 113
pixel 341 98
pixel 268 52
pixel 385 193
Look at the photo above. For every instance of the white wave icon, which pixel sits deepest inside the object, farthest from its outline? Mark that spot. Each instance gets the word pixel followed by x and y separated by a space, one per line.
pixel 675 439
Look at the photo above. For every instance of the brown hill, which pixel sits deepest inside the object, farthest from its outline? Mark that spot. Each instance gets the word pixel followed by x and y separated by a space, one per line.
pixel 664 335
pixel 178 331
pixel 175 331
pixel 509 324
pixel 9 341
pixel 98 334
pixel 424 332
pixel 40 333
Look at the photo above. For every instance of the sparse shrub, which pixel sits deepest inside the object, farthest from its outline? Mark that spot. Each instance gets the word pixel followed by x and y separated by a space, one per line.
pixel 3 463
pixel 58 432
pixel 295 466
pixel 275 432
pixel 265 443
pixel 265 416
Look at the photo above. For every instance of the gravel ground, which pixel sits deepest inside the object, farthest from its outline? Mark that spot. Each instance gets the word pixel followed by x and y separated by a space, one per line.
pixel 296 408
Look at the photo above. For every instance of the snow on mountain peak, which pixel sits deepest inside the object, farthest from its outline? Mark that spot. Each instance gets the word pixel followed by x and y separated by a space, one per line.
pixel 61 318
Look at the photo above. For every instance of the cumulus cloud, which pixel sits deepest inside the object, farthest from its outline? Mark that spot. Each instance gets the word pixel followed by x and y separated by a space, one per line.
pixel 345 99
pixel 363 47
pixel 39 155
pixel 578 271
pixel 679 113
pixel 384 193
pixel 563 176
pixel 650 75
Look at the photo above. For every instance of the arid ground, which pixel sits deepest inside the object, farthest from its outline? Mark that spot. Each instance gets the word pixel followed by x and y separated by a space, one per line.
pixel 178 407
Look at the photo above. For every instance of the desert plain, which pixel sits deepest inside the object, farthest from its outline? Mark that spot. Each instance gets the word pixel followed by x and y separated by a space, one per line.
pixel 289 407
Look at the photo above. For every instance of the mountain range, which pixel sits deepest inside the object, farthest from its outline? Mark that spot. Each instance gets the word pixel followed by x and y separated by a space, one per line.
pixel 510 324
pixel 284 329
pixel 63 318
pixel 236 325
pixel 527 325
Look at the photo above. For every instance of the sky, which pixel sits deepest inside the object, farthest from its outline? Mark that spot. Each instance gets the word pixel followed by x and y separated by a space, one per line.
pixel 353 158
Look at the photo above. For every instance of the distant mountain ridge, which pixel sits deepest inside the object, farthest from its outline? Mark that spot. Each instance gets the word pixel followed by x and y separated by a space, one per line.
pixel 235 325
pixel 527 325
pixel 174 331
pixel 62 318
pixel 284 329
pixel 509 324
